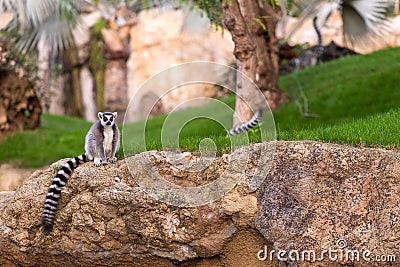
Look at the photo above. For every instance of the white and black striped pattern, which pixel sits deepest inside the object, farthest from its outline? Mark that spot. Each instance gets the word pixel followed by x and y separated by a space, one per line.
pixel 244 127
pixel 320 48
pixel 54 193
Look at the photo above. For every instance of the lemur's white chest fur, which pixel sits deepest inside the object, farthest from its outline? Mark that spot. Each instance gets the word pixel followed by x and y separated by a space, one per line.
pixel 107 143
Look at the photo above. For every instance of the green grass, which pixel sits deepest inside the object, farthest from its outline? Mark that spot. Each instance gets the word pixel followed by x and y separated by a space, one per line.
pixel 58 137
pixel 343 90
pixel 356 100
pixel 380 130
pixel 190 126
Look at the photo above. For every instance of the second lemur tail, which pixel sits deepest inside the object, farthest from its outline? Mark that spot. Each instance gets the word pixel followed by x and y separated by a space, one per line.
pixel 54 193
pixel 320 48
pixel 244 127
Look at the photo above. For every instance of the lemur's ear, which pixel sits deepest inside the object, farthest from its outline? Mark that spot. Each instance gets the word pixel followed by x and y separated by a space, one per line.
pixel 115 114
pixel 100 115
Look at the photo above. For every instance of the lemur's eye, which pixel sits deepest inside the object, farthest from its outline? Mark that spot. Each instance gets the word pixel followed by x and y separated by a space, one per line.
pixel 104 119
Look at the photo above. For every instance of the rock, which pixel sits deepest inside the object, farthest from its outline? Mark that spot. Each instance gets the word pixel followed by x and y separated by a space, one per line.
pixel 54 96
pixel 323 196
pixel 88 96
pixel 90 19
pixel 115 82
pixel 81 35
pixel 116 43
pixel 162 39
pixel 5 19
pixel 150 99
pixel 317 197
pixel 11 177
pixel 5 197
pixel 19 104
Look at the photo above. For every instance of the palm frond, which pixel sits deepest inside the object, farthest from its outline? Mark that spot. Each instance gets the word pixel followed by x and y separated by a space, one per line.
pixel 37 11
pixel 57 30
pixel 53 20
pixel 320 9
pixel 364 18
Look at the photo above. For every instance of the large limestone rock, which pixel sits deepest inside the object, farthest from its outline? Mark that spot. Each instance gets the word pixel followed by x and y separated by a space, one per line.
pixel 5 19
pixel 316 197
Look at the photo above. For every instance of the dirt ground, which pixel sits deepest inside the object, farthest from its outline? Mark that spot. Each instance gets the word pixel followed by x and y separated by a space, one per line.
pixel 11 177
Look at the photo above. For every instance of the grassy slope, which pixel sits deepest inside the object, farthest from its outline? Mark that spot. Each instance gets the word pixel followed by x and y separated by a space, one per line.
pixel 163 130
pixel 356 100
pixel 343 90
pixel 58 137
pixel 375 130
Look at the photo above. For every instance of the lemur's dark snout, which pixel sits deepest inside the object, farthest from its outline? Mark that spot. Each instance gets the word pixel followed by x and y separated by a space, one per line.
pixel 108 123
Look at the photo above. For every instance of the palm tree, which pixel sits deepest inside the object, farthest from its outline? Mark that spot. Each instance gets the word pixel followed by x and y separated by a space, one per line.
pixel 33 20
pixel 251 23
pixel 363 20
pixel 54 20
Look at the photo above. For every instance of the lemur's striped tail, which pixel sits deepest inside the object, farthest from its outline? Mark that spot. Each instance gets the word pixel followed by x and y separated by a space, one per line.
pixel 244 127
pixel 53 196
pixel 320 47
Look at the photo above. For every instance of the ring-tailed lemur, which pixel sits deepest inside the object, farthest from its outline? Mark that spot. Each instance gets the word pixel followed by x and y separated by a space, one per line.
pixel 101 144
pixel 311 57
pixel 246 126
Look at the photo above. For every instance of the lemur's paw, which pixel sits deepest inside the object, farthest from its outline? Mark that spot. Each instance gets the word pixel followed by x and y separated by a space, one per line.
pixel 112 159
pixel 98 162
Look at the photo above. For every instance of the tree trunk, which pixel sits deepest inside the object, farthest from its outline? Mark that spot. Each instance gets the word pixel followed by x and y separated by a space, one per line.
pixel 252 26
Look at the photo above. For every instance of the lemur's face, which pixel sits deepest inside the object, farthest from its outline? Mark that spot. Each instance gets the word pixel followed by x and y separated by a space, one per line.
pixel 107 118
